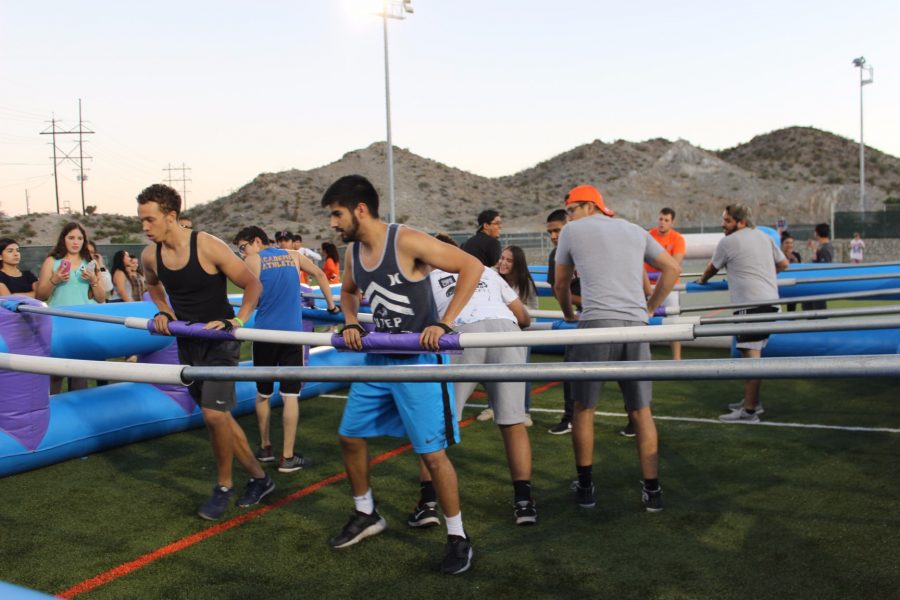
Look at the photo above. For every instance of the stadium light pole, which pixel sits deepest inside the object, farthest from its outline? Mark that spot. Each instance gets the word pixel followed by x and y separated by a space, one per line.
pixel 864 72
pixel 391 9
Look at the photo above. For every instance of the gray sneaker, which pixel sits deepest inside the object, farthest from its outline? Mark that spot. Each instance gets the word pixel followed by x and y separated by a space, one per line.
pixel 736 405
pixel 740 416
pixel 294 463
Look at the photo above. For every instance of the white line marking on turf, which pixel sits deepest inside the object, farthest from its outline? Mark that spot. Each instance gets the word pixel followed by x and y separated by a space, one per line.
pixel 332 396
pixel 718 422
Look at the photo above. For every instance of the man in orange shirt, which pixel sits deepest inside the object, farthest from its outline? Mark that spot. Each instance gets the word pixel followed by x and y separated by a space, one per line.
pixel 673 242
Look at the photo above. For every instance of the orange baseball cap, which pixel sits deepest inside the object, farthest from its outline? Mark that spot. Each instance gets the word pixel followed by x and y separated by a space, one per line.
pixel 588 193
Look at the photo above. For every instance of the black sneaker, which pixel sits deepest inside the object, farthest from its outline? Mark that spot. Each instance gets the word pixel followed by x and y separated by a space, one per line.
pixel 525 512
pixel 561 428
pixel 628 430
pixel 458 557
pixel 652 500
pixel 215 507
pixel 359 527
pixel 584 496
pixel 424 515
pixel 294 463
pixel 265 454
pixel 256 490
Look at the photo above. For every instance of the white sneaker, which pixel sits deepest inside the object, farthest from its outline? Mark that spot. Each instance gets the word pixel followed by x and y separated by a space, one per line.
pixel 485 415
pixel 739 405
pixel 739 416
pixel 528 422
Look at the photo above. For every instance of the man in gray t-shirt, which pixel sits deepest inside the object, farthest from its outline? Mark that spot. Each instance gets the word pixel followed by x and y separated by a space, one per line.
pixel 753 260
pixel 609 255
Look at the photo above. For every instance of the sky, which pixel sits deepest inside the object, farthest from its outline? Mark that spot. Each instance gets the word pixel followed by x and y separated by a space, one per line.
pixel 233 89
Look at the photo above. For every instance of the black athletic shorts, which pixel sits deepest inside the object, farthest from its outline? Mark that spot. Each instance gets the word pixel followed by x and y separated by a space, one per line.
pixel 266 354
pixel 756 310
pixel 215 395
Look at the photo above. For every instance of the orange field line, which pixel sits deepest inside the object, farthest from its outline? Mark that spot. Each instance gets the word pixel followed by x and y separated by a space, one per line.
pixel 186 542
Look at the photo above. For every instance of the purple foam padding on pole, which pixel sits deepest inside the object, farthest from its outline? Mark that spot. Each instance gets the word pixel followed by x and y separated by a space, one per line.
pixel 25 402
pixel 660 312
pixel 397 343
pixel 178 393
pixel 184 329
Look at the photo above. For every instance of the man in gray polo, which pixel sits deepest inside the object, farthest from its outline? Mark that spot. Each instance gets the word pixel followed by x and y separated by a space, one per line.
pixel 609 255
pixel 753 259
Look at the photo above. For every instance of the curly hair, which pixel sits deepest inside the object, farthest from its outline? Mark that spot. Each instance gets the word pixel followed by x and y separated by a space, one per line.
pixel 167 198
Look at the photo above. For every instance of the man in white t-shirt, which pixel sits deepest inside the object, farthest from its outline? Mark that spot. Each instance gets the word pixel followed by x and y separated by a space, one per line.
pixel 753 260
pixel 494 307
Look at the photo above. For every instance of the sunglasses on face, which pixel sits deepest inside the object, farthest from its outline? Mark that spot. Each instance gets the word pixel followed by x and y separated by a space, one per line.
pixel 242 247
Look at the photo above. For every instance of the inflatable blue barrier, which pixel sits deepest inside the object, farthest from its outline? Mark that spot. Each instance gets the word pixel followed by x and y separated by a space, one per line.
pixel 820 343
pixel 37 429
pixel 890 280
pixel 9 591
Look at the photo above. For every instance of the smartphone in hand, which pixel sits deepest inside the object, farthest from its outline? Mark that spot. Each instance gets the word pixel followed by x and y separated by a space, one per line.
pixel 65 265
pixel 90 268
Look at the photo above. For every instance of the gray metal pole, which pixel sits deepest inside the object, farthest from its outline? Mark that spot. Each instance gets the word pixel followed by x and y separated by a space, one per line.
pixel 825 367
pixel 862 147
pixel 387 105
pixel 804 314
pixel 840 296
pixel 718 329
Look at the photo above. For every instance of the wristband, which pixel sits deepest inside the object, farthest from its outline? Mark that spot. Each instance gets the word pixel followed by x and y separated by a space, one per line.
pixel 334 310
pixel 164 314
pixel 356 326
pixel 239 321
pixel 444 326
pixel 227 326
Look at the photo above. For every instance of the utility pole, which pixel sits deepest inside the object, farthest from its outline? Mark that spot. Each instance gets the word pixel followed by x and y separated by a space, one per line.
pixel 79 161
pixel 170 180
pixel 55 163
pixel 27 208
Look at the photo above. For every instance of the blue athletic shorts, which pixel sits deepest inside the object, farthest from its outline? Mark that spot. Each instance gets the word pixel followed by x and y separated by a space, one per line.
pixel 422 411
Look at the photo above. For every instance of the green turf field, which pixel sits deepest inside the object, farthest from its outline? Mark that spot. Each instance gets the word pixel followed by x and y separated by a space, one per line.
pixel 751 511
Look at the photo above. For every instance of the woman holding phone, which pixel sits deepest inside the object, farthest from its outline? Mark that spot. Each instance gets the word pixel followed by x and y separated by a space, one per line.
pixel 69 277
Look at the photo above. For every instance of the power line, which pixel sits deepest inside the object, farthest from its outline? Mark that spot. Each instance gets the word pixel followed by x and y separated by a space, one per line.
pixel 170 180
pixel 78 161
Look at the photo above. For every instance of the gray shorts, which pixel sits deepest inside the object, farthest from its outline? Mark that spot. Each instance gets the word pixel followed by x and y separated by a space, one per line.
pixel 199 352
pixel 507 397
pixel 638 394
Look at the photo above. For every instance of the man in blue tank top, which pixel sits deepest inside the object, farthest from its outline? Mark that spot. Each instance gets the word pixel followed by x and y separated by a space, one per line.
pixel 390 265
pixel 279 308
pixel 192 268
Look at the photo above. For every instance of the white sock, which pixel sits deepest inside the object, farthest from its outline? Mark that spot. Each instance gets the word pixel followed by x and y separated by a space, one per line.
pixel 365 503
pixel 455 525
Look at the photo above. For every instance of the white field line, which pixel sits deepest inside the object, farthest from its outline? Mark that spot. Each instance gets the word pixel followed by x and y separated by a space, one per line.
pixel 718 422
pixel 695 419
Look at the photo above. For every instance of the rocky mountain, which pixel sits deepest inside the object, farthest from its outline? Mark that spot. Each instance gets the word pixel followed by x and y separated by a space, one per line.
pixel 798 173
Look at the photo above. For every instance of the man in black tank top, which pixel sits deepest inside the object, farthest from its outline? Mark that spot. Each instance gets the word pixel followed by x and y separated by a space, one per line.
pixel 390 265
pixel 192 268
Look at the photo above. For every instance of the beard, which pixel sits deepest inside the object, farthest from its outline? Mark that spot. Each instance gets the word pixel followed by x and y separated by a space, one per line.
pixel 351 235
